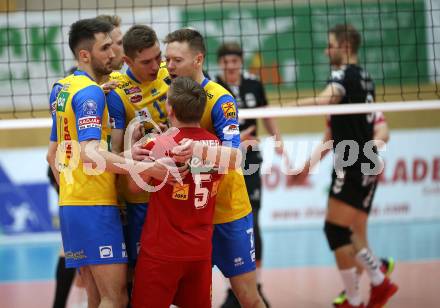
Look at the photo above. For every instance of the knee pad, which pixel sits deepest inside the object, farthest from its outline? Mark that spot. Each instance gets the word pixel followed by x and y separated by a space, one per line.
pixel 337 236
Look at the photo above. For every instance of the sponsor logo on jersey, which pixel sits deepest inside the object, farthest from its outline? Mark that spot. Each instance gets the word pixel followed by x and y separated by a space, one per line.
pixel 132 90
pixel 229 110
pixel 250 99
pixel 75 255
pixel 252 253
pixel 143 114
pixel 61 100
pixel 210 96
pixel 232 129
pixel 180 192
pixel 105 252
pixel 66 86
pixel 238 261
pixel 90 107
pixel 167 80
pixel 135 98
pixel 88 122
pixel 67 144
pixel 53 107
pixel 338 74
pixel 124 85
pixel 154 92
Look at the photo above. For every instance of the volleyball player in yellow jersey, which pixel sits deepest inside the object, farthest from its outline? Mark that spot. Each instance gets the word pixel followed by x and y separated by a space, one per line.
pixel 140 94
pixel 233 241
pixel 65 276
pixel 90 224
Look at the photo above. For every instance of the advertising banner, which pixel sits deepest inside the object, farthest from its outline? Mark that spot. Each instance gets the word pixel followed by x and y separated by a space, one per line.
pixel 409 187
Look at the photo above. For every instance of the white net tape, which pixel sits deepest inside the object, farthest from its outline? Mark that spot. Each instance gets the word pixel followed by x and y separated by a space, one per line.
pixel 270 112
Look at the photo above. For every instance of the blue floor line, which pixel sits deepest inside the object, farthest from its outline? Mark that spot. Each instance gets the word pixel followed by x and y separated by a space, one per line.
pixel 283 248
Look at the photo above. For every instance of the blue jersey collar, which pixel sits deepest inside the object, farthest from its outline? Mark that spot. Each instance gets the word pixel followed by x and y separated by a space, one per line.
pixel 204 82
pixel 82 73
pixel 130 74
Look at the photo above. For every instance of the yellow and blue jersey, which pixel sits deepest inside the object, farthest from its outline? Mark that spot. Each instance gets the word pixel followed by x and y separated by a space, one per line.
pixel 79 114
pixel 133 99
pixel 144 101
pixel 221 118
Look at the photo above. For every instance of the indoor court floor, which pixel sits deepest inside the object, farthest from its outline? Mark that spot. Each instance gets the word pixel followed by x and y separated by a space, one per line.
pixel 299 269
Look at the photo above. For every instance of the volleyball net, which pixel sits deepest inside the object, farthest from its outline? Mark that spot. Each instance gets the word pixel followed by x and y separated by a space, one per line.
pixel 283 43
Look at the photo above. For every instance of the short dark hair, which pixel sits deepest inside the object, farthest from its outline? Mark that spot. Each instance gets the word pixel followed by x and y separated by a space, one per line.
pixel 192 37
pixel 188 99
pixel 115 20
pixel 138 38
pixel 82 33
pixel 347 33
pixel 229 48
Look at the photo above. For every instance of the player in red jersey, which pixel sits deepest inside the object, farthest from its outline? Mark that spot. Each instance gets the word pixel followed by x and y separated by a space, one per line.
pixel 174 262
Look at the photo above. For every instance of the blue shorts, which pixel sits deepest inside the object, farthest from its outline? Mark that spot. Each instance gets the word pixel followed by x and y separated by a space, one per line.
pixel 233 248
pixel 136 215
pixel 92 235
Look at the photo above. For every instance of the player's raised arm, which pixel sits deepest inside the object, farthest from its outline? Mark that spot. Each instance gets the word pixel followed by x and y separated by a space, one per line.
pixel 381 133
pixel 332 94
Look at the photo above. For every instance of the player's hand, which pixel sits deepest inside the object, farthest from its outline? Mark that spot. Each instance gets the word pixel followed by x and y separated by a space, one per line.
pixel 178 174
pixel 160 129
pixel 279 147
pixel 139 153
pixel 247 134
pixel 138 133
pixel 108 86
pixel 298 176
pixel 183 152
pixel 163 127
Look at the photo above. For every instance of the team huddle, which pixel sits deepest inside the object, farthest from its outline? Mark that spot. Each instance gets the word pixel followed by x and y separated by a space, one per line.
pixel 152 193
pixel 180 242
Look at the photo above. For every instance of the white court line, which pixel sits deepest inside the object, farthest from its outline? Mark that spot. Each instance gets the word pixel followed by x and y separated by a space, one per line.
pixel 31 238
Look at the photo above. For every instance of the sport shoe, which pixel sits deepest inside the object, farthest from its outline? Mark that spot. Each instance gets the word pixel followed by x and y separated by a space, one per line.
pixel 379 295
pixel 386 266
pixel 231 301
pixel 346 304
pixel 262 296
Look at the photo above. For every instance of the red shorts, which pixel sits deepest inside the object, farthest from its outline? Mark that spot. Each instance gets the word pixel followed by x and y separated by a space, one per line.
pixel 159 283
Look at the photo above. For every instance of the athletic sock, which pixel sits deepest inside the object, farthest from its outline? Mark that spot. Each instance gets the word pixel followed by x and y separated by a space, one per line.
pixel 350 279
pixel 371 265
